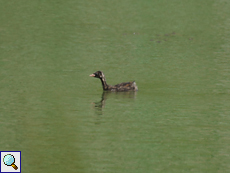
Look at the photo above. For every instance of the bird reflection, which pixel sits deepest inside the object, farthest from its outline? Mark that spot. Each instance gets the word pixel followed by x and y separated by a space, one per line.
pixel 100 105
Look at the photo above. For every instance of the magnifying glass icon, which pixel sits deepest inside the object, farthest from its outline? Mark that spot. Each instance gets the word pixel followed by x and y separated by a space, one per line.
pixel 9 160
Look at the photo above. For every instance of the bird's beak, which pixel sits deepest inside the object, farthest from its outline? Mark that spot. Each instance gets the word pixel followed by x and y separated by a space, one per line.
pixel 92 75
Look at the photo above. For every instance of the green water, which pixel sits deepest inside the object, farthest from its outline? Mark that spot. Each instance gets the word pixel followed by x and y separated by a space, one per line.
pixel 51 110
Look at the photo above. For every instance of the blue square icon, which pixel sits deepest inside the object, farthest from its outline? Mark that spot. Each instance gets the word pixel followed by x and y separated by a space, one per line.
pixel 10 161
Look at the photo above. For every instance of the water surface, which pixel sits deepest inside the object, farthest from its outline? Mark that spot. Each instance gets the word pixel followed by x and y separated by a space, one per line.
pixel 59 117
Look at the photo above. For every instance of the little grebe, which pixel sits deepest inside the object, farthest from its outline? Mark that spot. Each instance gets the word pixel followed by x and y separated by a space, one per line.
pixel 126 86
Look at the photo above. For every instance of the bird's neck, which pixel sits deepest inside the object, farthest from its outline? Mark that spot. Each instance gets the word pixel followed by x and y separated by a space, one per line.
pixel 104 84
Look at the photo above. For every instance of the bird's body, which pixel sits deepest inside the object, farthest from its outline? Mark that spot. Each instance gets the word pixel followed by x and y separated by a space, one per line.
pixel 125 86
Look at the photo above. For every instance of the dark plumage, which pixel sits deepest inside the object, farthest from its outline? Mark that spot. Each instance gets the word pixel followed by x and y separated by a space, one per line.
pixel 126 86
